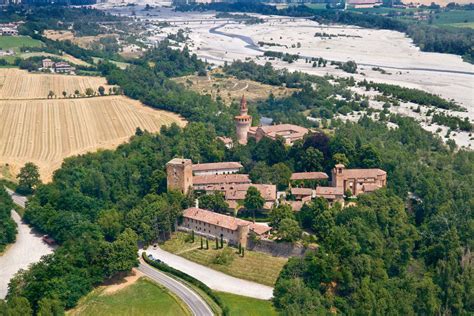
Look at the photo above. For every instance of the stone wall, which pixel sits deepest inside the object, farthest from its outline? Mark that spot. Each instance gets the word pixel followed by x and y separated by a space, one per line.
pixel 278 249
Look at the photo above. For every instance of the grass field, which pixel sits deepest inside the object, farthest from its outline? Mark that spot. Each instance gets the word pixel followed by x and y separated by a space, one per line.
pixel 141 298
pixel 16 42
pixel 246 306
pixel 255 266
pixel 231 89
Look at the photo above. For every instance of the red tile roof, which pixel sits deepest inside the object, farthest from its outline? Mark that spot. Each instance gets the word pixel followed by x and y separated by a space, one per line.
pixel 309 176
pixel 221 179
pixel 363 173
pixel 221 220
pixel 217 166
pixel 329 190
pixel 302 191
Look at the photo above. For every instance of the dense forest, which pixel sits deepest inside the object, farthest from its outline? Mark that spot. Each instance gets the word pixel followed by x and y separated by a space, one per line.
pixel 429 38
pixel 7 225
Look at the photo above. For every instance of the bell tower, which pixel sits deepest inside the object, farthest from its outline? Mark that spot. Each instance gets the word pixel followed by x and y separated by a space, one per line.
pixel 242 122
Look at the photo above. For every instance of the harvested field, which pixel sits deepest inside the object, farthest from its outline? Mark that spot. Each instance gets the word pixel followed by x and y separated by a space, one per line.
pixel 46 131
pixel 81 41
pixel 18 84
pixel 231 89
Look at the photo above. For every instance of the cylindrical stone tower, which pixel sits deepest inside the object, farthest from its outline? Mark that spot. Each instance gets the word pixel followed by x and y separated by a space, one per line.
pixel 243 122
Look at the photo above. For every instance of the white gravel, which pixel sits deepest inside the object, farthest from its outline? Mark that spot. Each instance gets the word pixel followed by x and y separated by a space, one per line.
pixel 28 249
pixel 214 279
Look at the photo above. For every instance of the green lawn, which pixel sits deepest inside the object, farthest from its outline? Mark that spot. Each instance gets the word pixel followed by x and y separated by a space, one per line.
pixel 142 298
pixel 254 266
pixel 463 25
pixel 246 306
pixel 454 17
pixel 16 42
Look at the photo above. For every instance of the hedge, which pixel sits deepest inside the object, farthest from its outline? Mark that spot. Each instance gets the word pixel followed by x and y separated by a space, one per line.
pixel 186 277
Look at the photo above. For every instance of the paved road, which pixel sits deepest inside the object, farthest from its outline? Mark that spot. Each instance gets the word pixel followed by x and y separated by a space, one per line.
pixel 214 279
pixel 197 305
pixel 18 199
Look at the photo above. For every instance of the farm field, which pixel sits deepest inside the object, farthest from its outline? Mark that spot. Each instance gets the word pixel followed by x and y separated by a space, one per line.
pixel 45 131
pixel 81 41
pixel 16 42
pixel 141 298
pixel 231 89
pixel 19 84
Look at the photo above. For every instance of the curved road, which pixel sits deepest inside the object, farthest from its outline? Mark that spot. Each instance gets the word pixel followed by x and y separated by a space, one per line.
pixel 197 305
pixel 214 279
pixel 27 249
pixel 251 45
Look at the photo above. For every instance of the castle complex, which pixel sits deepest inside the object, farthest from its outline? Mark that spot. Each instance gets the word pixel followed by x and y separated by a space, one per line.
pixel 288 132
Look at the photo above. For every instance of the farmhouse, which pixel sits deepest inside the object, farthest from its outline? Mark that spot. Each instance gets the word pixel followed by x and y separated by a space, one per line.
pixel 63 67
pixel 211 224
pixel 358 181
pixel 47 63
pixel 202 169
pixel 59 67
pixel 9 29
pixel 363 3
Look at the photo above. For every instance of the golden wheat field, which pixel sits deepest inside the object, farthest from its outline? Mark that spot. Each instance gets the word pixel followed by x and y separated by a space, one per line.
pixel 19 84
pixel 45 131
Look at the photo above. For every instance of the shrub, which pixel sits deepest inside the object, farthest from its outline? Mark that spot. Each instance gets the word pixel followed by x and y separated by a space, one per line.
pixel 224 257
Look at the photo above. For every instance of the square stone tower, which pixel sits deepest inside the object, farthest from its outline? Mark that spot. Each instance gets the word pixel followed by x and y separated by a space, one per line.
pixel 179 174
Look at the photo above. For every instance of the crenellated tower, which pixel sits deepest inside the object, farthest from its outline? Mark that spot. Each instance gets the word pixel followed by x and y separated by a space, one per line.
pixel 243 121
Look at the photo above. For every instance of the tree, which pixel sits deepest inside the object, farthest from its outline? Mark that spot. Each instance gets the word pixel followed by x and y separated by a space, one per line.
pixel 50 94
pixel 312 160
pixel 215 202
pixel 253 200
pixel 369 157
pixel 50 307
pixel 289 230
pixel 76 92
pixel 111 223
pixel 19 306
pixel 101 90
pixel 279 213
pixel 89 92
pixel 28 178
pixel 64 94
pixel 310 211
pixel 121 255
pixel 339 158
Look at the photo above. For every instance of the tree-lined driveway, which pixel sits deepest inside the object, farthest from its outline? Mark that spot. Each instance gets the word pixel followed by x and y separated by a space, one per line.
pixel 214 279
